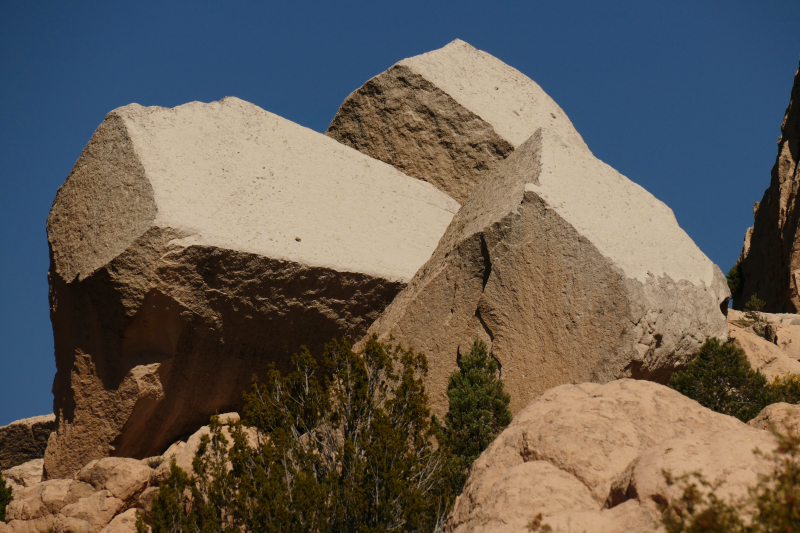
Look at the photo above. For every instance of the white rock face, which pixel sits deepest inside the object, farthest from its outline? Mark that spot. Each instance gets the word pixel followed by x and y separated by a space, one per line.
pixel 193 246
pixel 447 116
pixel 568 270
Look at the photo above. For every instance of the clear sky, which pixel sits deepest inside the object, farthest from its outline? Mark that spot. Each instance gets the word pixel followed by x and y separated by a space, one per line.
pixel 683 97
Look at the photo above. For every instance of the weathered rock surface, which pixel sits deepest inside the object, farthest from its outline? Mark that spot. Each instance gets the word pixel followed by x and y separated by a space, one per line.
pixel 191 247
pixel 589 457
pixel 448 116
pixel 569 271
pixel 775 358
pixel 108 488
pixel 24 440
pixel 770 257
pixel 24 475
pixel 123 523
pixel 784 417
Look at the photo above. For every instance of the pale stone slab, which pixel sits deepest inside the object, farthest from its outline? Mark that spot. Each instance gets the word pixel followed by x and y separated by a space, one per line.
pixel 192 247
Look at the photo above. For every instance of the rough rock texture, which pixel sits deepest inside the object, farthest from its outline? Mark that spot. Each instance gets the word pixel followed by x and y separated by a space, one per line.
pixel 770 257
pixel 784 417
pixel 569 271
pixel 776 357
pixel 24 440
pixel 588 457
pixel 123 523
pixel 447 116
pixel 191 247
pixel 24 475
pixel 106 488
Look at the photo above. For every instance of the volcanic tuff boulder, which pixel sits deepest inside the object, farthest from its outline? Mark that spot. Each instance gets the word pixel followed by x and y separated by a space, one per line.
pixel 590 458
pixel 24 440
pixel 568 270
pixel 770 260
pixel 192 247
pixel 447 116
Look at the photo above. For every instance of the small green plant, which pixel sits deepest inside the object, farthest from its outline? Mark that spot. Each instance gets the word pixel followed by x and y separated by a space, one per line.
pixel 772 505
pixel 735 279
pixel 5 498
pixel 753 316
pixel 478 411
pixel 154 462
pixel 720 377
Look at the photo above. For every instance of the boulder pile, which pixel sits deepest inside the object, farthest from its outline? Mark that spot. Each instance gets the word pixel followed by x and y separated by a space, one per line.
pixel 450 199
pixel 192 247
pixel 590 458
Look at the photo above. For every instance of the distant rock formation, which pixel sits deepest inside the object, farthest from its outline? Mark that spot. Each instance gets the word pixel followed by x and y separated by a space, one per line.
pixel 590 458
pixel 448 116
pixel 24 440
pixel 568 270
pixel 770 259
pixel 774 356
pixel 192 247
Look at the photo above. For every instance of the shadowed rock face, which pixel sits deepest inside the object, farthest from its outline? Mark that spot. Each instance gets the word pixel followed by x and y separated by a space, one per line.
pixel 447 116
pixel 568 270
pixel 770 259
pixel 24 440
pixel 193 247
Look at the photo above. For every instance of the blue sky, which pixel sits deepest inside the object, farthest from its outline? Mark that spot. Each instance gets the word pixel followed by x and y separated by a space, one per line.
pixel 683 97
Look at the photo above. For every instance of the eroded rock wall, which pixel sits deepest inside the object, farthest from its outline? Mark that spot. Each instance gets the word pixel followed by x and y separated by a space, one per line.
pixel 770 259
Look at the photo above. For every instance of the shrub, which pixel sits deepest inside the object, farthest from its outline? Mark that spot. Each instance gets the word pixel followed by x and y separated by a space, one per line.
pixel 753 317
pixel 772 505
pixel 721 378
pixel 735 279
pixel 478 411
pixel 346 447
pixel 5 498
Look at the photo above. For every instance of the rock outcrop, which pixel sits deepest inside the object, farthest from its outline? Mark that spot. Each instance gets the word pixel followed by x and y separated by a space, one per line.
pixel 774 356
pixel 589 458
pixel 24 440
pixel 192 247
pixel 24 475
pixel 447 116
pixel 783 417
pixel 770 260
pixel 105 496
pixel 568 270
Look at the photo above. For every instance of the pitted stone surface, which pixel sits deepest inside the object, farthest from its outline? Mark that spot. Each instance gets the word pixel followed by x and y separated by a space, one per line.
pixel 25 440
pixel 569 271
pixel 191 247
pixel 448 116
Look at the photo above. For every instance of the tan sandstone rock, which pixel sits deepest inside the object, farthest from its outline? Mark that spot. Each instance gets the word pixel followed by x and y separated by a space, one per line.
pixel 89 514
pixel 587 457
pixel 123 478
pixel 25 475
pixel 192 247
pixel 24 440
pixel 783 417
pixel 46 500
pixel 123 522
pixel 770 258
pixel 763 355
pixel 569 271
pixel 447 116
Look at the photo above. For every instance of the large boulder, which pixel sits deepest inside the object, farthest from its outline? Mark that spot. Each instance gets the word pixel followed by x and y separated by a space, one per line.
pixel 447 116
pixel 25 440
pixel 770 259
pixel 774 356
pixel 591 457
pixel 569 271
pixel 193 247
pixel 24 475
